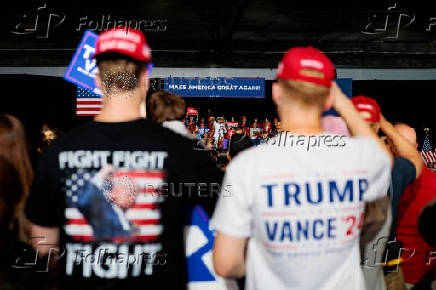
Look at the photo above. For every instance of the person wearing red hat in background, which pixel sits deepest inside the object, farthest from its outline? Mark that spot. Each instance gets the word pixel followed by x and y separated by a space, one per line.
pixel 255 132
pixel 192 126
pixel 275 127
pixel 230 132
pixel 211 127
pixel 202 125
pixel 255 124
pixel 266 128
pixel 245 126
pixel 232 123
pixel 406 168
pixel 283 211
pixel 419 268
pixel 150 252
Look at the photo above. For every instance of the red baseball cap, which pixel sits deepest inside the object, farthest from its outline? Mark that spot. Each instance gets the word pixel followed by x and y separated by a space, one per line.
pixel 306 64
pixel 124 40
pixel 366 104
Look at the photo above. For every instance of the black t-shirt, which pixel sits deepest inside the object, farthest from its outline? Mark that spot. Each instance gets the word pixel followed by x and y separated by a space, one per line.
pixel 118 192
pixel 403 173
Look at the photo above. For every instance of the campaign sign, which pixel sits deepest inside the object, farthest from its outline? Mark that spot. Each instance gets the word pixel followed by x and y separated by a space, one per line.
pixel 216 87
pixel 346 85
pixel 199 239
pixel 83 68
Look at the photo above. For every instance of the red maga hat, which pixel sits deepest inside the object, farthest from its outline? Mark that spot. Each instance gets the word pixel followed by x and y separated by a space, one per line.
pixel 306 64
pixel 367 104
pixel 191 111
pixel 124 40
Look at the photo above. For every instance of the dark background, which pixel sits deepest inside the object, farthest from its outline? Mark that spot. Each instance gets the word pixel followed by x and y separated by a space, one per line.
pixel 229 33
pixel 38 99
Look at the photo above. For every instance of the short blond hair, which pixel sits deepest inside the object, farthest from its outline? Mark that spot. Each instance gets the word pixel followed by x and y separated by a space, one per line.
pixel 307 93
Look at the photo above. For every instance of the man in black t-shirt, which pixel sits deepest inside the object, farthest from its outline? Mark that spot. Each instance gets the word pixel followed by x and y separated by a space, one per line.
pixel 112 193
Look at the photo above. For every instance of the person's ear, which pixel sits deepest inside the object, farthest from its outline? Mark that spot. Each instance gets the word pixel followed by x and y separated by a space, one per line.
pixel 97 81
pixel 329 100
pixel 144 81
pixel 377 127
pixel 277 94
pixel 147 83
pixel 143 108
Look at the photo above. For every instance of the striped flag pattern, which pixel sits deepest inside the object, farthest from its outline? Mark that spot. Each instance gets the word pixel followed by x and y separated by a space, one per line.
pixel 144 215
pixel 426 152
pixel 88 103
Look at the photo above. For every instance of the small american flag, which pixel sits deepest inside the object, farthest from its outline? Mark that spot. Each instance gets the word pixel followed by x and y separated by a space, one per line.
pixel 88 103
pixel 426 152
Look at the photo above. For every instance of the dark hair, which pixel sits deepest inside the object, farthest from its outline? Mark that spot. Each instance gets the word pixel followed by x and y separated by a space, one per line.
pixel 119 72
pixel 13 146
pixel 163 106
pixel 11 193
pixel 237 143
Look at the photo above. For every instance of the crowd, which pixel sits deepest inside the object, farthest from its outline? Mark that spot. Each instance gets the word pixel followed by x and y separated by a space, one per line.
pixel 217 131
pixel 324 203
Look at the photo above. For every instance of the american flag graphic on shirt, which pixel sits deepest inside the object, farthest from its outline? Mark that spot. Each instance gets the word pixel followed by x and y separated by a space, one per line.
pixel 91 216
pixel 426 152
pixel 88 103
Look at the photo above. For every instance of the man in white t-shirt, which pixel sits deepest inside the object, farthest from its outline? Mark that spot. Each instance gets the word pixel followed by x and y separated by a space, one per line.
pixel 220 129
pixel 290 212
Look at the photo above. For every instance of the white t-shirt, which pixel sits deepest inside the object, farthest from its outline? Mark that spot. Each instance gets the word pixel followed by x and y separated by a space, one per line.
pixel 300 206
pixel 219 130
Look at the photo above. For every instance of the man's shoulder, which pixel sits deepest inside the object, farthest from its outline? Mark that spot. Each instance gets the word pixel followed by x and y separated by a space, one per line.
pixel 88 135
pixel 248 156
pixel 361 141
pixel 402 165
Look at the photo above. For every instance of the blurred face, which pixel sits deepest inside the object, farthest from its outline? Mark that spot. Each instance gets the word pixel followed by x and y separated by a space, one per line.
pixel 123 192
pixel 407 132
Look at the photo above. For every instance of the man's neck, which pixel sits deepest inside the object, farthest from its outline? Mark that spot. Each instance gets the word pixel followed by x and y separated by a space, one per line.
pixel 120 108
pixel 301 121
